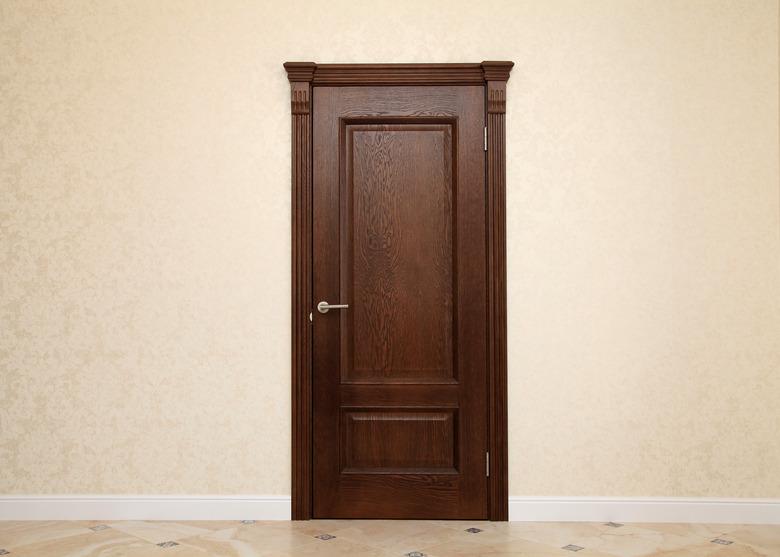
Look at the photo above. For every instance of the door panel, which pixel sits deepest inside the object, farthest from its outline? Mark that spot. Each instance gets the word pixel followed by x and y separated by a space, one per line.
pixel 397 253
pixel 397 440
pixel 400 384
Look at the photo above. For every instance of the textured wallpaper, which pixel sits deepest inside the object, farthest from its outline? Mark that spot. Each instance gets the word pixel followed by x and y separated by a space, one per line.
pixel 145 216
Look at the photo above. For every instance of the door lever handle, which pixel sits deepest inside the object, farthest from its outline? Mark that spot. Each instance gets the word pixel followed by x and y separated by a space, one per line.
pixel 324 307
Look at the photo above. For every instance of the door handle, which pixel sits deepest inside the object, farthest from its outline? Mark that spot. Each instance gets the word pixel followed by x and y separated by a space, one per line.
pixel 324 307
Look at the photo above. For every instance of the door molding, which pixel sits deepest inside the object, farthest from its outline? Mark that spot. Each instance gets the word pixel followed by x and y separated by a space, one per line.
pixel 303 77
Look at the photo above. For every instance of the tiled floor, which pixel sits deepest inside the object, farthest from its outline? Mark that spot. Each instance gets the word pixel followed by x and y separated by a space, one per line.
pixel 385 538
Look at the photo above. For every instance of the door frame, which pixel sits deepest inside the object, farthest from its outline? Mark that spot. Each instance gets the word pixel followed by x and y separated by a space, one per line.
pixel 303 77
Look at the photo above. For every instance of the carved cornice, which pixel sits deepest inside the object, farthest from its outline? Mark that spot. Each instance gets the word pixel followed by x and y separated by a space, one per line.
pixel 496 97
pixel 300 97
pixel 397 74
pixel 300 71
pixel 496 71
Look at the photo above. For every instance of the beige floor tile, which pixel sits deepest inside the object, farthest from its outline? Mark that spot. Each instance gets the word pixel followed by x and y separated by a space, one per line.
pixel 92 523
pixel 336 547
pixel 432 535
pixel 497 533
pixel 216 546
pixel 462 525
pixel 384 538
pixel 11 524
pixel 638 544
pixel 106 543
pixel 559 534
pixel 503 549
pixel 625 541
pixel 205 524
pixel 761 536
pixel 705 532
pixel 262 538
pixel 382 532
pixel 158 532
pixel 24 533
pixel 317 527
pixel 472 549
pixel 214 525
pixel 708 549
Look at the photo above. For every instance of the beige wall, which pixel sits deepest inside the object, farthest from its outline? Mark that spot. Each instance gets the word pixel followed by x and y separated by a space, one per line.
pixel 144 238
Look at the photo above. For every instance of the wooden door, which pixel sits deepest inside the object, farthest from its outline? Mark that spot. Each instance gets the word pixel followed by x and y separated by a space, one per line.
pixel 400 400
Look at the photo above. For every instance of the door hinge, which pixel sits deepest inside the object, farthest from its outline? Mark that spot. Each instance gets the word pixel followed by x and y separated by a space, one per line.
pixel 487 464
pixel 485 135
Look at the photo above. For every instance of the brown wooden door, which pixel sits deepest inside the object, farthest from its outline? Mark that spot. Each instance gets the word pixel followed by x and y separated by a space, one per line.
pixel 400 376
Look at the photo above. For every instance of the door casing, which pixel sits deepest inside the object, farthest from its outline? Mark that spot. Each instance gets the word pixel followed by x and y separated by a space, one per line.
pixel 303 77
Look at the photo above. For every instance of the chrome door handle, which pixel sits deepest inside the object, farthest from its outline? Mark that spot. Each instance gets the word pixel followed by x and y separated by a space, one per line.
pixel 324 306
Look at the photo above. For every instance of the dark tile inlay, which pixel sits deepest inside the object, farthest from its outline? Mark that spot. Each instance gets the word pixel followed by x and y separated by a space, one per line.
pixel 473 530
pixel 325 537
pixel 721 541
pixel 99 527
pixel 613 524
pixel 572 547
pixel 247 522
pixel 167 544
pixel 414 554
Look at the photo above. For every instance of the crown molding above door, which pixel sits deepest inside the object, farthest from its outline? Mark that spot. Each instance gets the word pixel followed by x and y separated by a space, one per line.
pixel 397 74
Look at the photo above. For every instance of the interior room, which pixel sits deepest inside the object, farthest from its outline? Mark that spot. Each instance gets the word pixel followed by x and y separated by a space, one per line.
pixel 390 278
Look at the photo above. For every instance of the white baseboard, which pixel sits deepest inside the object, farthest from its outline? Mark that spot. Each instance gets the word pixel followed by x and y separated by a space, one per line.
pixel 163 507
pixel 535 509
pixel 644 509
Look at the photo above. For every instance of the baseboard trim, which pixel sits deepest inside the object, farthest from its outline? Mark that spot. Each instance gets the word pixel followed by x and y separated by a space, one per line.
pixel 162 507
pixel 261 507
pixel 644 509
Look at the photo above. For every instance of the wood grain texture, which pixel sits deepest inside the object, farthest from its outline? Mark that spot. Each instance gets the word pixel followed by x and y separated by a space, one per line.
pixel 398 244
pixel 403 440
pixel 496 71
pixel 301 300
pixel 388 239
pixel 386 394
pixel 444 496
pixel 390 496
pixel 398 74
pixel 496 188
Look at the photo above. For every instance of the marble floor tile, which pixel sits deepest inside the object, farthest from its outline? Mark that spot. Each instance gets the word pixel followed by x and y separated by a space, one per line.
pixel 158 532
pixel 336 547
pixel 106 543
pixel 413 541
pixel 214 525
pixel 708 549
pixel 762 537
pixel 263 539
pixel 462 525
pixel 625 541
pixel 559 534
pixel 383 538
pixel 13 534
pixel 316 527
pixel 637 543
pixel 497 533
pixel 514 548
pixel 381 532
pixel 223 546
pixel 701 531
pixel 11 524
